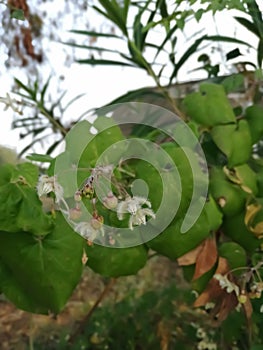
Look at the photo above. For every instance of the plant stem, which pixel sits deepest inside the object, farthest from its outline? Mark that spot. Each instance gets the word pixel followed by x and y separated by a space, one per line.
pixel 83 322
pixel 166 94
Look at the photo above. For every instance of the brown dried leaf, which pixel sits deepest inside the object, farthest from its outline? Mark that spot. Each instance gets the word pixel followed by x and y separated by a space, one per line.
pixel 213 290
pixel 225 304
pixel 207 258
pixel 248 309
pixel 190 257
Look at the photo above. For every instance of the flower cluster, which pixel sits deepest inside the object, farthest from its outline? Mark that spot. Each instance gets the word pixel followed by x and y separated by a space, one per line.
pixel 138 208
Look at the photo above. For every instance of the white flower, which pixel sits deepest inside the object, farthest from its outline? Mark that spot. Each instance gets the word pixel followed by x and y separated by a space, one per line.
pixel 58 189
pixel 139 217
pixel 48 184
pixel 226 284
pixel 45 185
pixel 133 205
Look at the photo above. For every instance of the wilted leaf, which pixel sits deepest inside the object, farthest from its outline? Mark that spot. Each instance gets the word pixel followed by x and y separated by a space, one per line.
pixel 224 302
pixel 190 257
pixel 213 289
pixel 207 257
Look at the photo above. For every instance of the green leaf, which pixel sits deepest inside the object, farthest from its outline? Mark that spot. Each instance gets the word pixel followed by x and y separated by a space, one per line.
pixel 234 141
pixel 173 244
pixel 18 14
pixel 89 47
pixel 192 49
pixel 42 158
pixel 242 235
pixel 39 274
pixel 94 61
pixel 260 52
pixel 6 171
pixel 233 54
pixel 167 37
pixel 248 25
pixel 29 173
pixel 229 196
pixel 235 255
pixel 256 16
pixel 210 106
pixel 115 13
pixel 95 34
pixel 254 116
pixel 115 262
pixel 21 209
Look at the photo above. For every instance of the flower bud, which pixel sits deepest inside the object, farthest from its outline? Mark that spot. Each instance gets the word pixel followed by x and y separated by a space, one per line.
pixel 77 196
pixel 111 201
pixel 97 222
pixel 74 213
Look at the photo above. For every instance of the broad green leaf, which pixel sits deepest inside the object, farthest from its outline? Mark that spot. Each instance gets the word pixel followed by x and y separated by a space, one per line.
pixel 26 172
pixel 38 274
pixel 173 244
pixel 235 228
pixel 234 140
pixel 6 171
pixel 210 106
pixel 115 262
pixel 21 209
pixel 229 196
pixel 254 116
pixel 213 214
pixel 108 134
pixel 235 255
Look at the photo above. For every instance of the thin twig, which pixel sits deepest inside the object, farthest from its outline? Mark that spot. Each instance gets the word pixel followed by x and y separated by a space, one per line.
pixel 83 322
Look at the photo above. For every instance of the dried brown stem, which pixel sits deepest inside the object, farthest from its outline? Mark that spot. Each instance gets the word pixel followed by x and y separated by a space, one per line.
pixel 82 324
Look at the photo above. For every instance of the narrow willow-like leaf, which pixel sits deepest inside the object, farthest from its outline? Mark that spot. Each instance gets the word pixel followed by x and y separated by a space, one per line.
pixel 95 34
pixel 102 62
pixel 248 25
pixel 89 47
pixel 260 52
pixel 192 49
pixel 43 158
pixel 114 13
